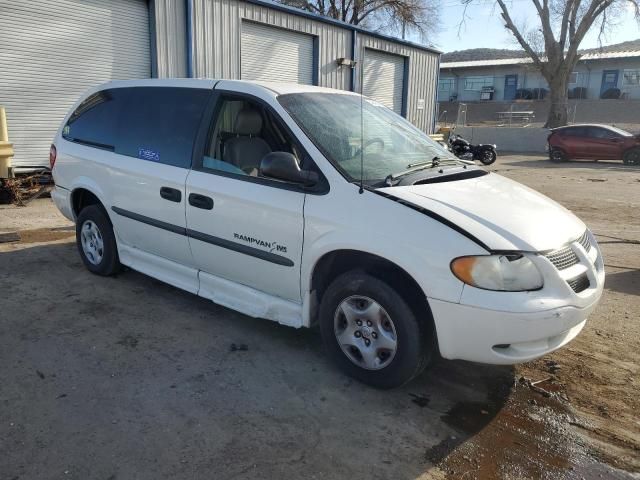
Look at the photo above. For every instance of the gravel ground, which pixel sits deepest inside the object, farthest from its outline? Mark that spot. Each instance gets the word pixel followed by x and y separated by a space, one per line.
pixel 125 377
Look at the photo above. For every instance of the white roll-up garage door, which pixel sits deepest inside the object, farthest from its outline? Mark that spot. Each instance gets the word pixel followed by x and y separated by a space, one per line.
pixel 275 55
pixel 53 50
pixel 384 78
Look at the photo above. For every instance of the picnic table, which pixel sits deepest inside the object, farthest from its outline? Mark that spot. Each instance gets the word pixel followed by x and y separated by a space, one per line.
pixel 523 116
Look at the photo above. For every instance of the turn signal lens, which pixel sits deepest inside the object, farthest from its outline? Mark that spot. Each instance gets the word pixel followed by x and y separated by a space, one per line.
pixel 463 267
pixel 513 272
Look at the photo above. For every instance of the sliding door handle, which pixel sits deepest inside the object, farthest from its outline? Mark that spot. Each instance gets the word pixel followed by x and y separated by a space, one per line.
pixel 171 194
pixel 200 201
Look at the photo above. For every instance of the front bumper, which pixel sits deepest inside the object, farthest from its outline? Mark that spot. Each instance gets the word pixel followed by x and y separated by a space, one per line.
pixel 515 327
pixel 491 336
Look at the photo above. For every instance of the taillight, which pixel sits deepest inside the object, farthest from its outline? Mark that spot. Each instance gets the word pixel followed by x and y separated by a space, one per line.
pixel 53 153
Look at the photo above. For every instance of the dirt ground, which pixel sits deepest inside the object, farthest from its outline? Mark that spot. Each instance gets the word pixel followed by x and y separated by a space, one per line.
pixel 126 377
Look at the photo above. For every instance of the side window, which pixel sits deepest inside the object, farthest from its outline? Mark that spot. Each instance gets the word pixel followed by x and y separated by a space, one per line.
pixel 243 132
pixel 94 122
pixel 576 132
pixel 159 124
pixel 601 133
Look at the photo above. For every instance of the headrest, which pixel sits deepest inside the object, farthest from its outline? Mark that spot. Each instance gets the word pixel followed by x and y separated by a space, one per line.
pixel 248 122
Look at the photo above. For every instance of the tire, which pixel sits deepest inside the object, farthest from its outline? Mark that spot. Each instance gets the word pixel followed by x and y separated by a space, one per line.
pixel 487 157
pixel 96 242
pixel 631 157
pixel 557 155
pixel 414 341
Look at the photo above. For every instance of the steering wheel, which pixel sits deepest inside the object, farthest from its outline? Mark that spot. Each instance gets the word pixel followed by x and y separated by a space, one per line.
pixel 368 143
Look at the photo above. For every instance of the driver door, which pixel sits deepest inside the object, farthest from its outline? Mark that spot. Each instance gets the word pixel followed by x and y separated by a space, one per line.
pixel 243 227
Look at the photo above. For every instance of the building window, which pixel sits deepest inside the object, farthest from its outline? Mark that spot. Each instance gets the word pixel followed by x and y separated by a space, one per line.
pixel 446 87
pixel 477 83
pixel 631 78
pixel 575 78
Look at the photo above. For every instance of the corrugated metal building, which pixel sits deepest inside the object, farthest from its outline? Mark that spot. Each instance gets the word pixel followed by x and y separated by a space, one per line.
pixel 52 50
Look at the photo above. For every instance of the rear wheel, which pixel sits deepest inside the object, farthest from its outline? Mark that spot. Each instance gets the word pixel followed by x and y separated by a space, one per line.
pixel 631 157
pixel 96 242
pixel 557 155
pixel 372 334
pixel 487 157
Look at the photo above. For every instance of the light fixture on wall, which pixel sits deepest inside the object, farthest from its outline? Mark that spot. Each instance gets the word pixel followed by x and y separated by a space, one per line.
pixel 346 62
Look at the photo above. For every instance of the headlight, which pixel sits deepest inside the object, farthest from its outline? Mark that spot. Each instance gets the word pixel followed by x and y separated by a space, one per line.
pixel 508 272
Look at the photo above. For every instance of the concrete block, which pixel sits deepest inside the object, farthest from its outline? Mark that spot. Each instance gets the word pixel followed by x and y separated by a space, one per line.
pixel 508 139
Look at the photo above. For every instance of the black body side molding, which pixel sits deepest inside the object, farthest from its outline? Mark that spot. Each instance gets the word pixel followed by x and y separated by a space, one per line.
pixel 204 237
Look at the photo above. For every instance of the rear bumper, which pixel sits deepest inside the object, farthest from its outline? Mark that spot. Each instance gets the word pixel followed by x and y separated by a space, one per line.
pixel 497 337
pixel 62 198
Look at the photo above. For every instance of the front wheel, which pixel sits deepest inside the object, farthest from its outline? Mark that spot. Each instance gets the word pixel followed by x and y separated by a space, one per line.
pixel 632 157
pixel 372 334
pixel 488 156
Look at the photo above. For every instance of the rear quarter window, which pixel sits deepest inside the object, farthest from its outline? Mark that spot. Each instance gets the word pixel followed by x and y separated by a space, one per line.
pixel 156 124
pixel 603 133
pixel 94 122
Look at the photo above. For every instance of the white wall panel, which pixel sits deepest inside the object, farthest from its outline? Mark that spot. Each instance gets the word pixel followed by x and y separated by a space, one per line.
pixel 171 38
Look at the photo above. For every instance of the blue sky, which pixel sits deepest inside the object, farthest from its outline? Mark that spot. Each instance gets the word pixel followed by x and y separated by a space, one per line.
pixel 484 27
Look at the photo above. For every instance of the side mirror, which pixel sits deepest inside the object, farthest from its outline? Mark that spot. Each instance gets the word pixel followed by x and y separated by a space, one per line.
pixel 284 166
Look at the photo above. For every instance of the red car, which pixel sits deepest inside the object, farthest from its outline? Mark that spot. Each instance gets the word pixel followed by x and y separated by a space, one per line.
pixel 598 142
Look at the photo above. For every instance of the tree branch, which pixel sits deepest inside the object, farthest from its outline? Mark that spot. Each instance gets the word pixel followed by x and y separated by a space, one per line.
pixel 564 24
pixel 516 33
pixel 574 17
pixel 374 9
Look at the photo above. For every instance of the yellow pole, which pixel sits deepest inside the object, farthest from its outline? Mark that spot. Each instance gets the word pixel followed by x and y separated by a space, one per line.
pixel 4 134
pixel 6 148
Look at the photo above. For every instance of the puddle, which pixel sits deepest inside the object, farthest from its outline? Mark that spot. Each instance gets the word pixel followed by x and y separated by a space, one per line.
pixel 469 417
pixel 523 437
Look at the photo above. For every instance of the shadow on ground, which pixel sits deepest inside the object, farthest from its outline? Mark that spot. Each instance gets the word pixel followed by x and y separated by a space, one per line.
pixel 624 282
pixel 127 377
pixel 607 165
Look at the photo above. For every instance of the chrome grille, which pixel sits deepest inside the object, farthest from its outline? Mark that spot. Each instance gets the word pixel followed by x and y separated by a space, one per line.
pixel 584 241
pixel 579 283
pixel 563 258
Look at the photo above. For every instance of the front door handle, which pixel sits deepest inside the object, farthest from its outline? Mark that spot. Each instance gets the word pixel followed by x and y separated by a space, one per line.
pixel 200 201
pixel 171 194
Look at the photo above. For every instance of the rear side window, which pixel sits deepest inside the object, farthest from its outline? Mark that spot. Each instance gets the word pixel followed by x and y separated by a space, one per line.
pixel 156 124
pixel 602 133
pixel 94 122
pixel 159 124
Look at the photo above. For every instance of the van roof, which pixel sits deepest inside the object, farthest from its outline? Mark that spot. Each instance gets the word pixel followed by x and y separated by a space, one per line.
pixel 277 88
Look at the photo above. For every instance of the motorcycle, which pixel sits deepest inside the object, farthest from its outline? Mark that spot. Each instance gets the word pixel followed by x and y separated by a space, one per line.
pixel 461 148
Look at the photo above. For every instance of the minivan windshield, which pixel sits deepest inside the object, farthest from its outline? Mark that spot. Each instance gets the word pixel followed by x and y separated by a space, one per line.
pixel 390 145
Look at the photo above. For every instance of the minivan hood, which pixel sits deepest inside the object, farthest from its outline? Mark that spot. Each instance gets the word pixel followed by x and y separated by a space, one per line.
pixel 499 212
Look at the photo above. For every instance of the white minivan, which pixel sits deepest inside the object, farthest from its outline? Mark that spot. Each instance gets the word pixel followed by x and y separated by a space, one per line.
pixel 307 206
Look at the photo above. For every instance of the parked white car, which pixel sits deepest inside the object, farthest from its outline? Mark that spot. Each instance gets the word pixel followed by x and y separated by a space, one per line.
pixel 308 206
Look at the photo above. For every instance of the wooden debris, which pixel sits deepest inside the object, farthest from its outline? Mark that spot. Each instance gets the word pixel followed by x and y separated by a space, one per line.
pixel 21 190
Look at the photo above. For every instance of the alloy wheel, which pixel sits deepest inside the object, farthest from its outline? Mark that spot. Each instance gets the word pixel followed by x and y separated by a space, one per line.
pixel 92 243
pixel 365 332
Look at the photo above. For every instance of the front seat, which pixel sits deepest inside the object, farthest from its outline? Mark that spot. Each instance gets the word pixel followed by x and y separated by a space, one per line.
pixel 245 150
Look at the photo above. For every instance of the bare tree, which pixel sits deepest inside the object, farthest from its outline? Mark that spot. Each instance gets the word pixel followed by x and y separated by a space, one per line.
pixel 553 45
pixel 392 16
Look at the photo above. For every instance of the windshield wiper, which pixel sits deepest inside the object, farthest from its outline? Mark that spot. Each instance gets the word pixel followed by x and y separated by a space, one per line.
pixel 415 167
pixel 435 161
